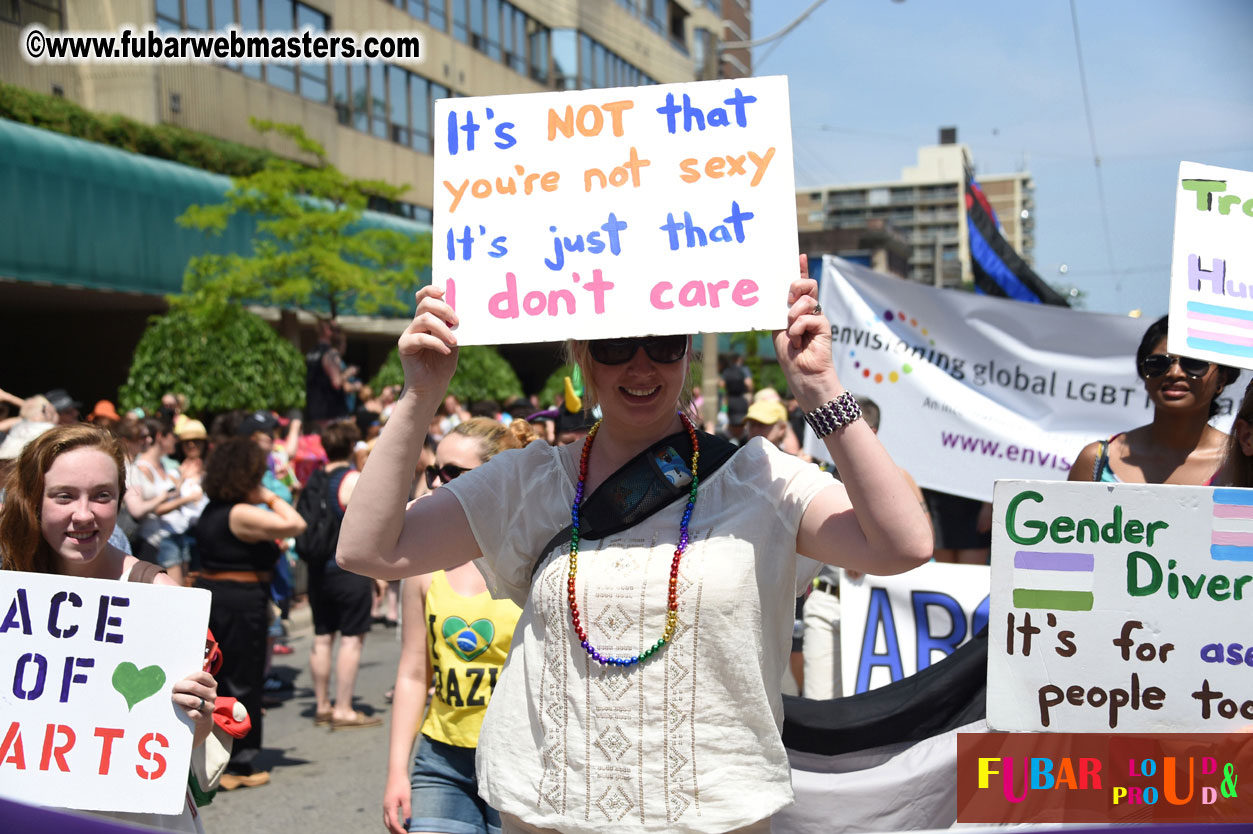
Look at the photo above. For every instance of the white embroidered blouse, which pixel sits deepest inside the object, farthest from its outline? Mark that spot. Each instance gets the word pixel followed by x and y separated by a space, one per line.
pixel 689 740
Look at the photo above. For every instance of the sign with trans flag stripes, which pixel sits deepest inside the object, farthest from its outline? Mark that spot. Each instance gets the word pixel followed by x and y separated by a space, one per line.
pixel 1233 525
pixel 1120 607
pixel 1211 268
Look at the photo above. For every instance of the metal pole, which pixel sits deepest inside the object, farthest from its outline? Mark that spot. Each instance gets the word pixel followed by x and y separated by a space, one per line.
pixel 936 251
pixel 709 378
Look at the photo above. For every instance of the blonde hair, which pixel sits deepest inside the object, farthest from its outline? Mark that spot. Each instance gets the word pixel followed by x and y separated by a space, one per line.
pixel 38 409
pixel 495 437
pixel 576 353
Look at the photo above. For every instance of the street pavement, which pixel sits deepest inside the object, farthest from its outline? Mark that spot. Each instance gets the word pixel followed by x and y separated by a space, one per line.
pixel 322 782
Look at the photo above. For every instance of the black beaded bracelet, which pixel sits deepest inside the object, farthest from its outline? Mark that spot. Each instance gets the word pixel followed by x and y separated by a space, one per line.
pixel 834 415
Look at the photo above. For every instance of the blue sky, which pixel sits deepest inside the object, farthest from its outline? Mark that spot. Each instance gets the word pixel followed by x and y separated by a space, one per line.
pixel 1168 80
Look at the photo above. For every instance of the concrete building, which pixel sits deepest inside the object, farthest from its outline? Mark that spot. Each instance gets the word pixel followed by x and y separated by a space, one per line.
pixel 374 119
pixel 927 205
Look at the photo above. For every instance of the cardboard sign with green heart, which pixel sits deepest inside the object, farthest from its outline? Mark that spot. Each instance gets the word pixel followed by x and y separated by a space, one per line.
pixel 136 684
pixel 90 659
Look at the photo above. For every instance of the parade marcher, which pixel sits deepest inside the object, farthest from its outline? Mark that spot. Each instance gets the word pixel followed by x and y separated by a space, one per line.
pixel 340 601
pixel 163 529
pixel 1179 446
pixel 61 504
pixel 455 639
pixel 642 692
pixel 325 378
pixel 235 539
pixel 67 407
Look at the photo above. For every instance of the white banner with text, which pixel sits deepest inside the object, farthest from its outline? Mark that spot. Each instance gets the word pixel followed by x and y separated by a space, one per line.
pixel 974 388
pixel 1120 608
pixel 1211 268
pixel 604 213
pixel 894 626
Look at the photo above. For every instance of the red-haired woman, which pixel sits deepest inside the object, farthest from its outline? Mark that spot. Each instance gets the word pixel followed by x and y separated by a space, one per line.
pixel 60 507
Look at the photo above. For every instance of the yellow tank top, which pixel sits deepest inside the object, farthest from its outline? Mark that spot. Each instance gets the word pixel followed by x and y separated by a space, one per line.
pixel 468 639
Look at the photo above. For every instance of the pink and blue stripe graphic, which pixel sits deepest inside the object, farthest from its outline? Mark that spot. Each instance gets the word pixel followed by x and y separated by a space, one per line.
pixel 1232 528
pixel 1054 581
pixel 1218 329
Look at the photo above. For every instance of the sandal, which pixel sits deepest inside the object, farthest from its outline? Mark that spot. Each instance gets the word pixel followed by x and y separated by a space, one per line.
pixel 358 720
pixel 321 719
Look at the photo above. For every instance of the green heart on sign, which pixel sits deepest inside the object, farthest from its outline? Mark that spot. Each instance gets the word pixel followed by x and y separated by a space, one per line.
pixel 135 684
pixel 468 640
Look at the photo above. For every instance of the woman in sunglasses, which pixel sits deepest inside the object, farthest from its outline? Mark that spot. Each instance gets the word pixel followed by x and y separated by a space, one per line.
pixel 455 640
pixel 1179 446
pixel 657 569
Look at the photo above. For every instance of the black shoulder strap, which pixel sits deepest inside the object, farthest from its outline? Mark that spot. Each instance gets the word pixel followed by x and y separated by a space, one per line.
pixel 620 503
pixel 145 572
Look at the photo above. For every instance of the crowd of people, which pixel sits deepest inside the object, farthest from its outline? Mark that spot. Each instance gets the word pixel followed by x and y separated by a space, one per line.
pixel 649 671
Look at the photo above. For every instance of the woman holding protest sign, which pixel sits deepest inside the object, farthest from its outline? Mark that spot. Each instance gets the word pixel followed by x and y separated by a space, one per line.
pixel 61 504
pixel 642 689
pixel 1179 446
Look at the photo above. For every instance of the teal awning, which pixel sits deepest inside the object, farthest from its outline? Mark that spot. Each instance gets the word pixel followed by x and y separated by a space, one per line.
pixel 78 213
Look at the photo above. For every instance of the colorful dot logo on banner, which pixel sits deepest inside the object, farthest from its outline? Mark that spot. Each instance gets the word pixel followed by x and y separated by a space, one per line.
pixel 905 368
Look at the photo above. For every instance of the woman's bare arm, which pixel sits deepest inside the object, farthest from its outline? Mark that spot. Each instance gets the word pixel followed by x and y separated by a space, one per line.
pixel 379 536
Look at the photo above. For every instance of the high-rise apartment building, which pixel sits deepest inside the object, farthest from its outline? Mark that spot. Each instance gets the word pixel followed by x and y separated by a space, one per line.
pixel 927 205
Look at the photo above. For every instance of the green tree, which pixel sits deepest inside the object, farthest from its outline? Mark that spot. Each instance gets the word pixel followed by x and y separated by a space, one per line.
pixel 222 358
pixel 310 250
pixel 482 374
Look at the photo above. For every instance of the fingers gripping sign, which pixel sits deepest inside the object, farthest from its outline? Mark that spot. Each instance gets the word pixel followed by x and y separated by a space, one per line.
pixel 428 347
pixel 804 347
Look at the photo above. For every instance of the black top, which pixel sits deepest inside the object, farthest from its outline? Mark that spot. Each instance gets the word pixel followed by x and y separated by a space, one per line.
pixel 735 378
pixel 220 550
pixel 323 401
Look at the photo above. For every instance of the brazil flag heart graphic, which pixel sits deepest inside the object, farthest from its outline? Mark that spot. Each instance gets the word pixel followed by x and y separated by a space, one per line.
pixel 468 640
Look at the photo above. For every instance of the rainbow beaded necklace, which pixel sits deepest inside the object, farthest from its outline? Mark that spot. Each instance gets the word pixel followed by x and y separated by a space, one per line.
pixel 672 606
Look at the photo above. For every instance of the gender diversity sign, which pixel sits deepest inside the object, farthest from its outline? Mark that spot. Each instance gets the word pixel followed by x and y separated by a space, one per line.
pixel 1211 267
pixel 1120 607
pixel 86 671
pixel 616 212
pixel 893 626
pixel 975 388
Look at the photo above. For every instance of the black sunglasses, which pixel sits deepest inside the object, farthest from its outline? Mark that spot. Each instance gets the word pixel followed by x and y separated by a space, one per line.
pixel 445 473
pixel 1158 364
pixel 661 349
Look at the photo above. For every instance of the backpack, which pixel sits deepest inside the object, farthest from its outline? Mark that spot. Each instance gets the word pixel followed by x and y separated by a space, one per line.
pixel 320 510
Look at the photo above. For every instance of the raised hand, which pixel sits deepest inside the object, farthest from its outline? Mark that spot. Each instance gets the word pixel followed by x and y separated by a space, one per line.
pixel 428 347
pixel 804 347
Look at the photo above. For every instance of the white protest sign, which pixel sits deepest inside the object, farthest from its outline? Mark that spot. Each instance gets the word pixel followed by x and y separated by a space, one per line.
pixel 86 671
pixel 893 626
pixel 1120 607
pixel 974 388
pixel 1211 267
pixel 616 212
